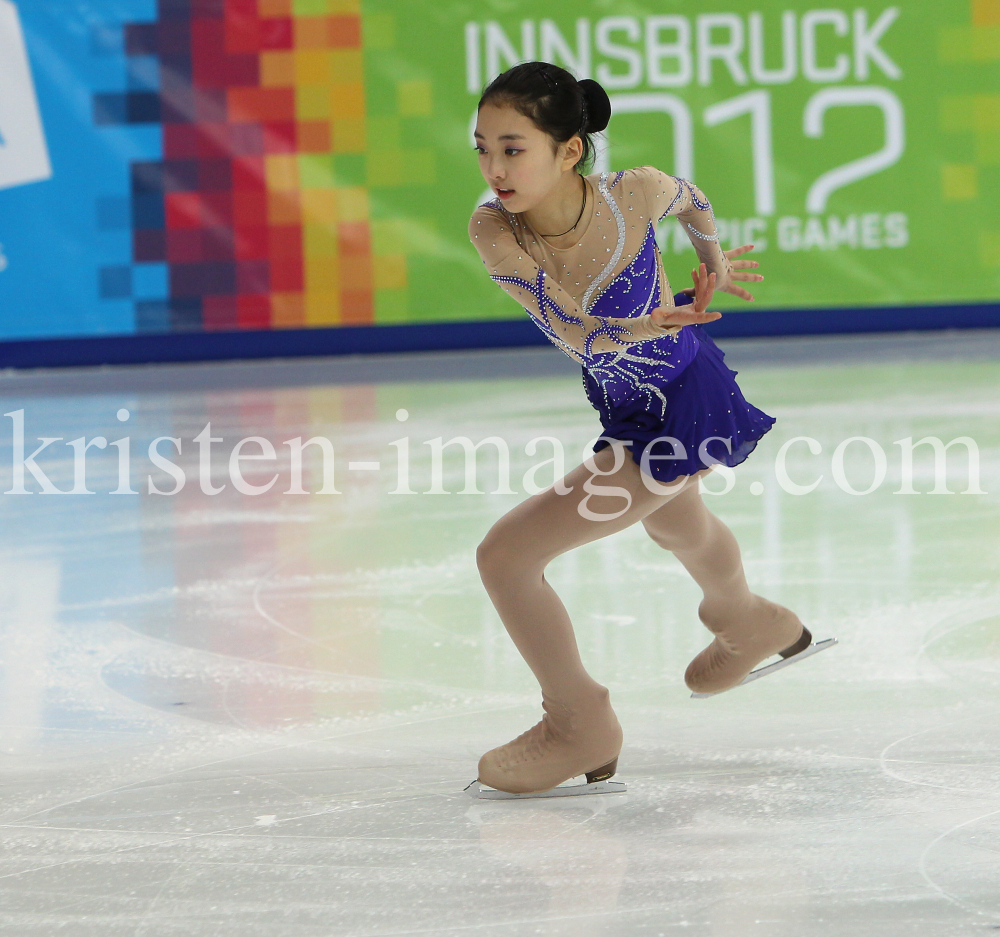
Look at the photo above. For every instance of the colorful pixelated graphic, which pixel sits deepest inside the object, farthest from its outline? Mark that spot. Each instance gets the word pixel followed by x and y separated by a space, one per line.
pixel 243 217
pixel 245 165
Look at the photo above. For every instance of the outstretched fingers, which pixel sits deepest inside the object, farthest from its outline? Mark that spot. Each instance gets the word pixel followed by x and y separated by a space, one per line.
pixel 704 287
pixel 735 290
pixel 696 318
pixel 681 316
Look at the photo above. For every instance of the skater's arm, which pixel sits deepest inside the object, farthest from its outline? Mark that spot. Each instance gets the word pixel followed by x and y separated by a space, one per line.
pixel 671 195
pixel 548 303
pixel 739 273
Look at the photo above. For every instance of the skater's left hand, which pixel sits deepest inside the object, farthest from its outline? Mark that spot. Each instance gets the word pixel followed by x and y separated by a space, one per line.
pixel 737 273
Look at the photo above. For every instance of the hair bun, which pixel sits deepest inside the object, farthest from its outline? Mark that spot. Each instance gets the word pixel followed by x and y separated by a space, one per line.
pixel 598 105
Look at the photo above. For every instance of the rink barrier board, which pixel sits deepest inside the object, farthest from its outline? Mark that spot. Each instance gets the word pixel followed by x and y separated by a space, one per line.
pixel 453 336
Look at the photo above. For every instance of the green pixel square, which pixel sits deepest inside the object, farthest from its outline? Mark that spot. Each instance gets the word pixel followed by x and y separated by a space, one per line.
pixel 394 167
pixel 391 306
pixel 421 236
pixel 988 148
pixel 986 43
pixel 379 31
pixel 401 167
pixel 989 249
pixel 309 7
pixel 316 171
pixel 312 102
pixel 415 98
pixel 388 236
pixel 419 166
pixel 987 109
pixel 349 169
pixel 384 133
pixel 385 167
pixel 957 113
pixel 955 44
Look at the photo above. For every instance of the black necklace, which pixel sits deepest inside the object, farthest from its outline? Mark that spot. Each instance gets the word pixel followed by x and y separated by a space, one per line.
pixel 578 217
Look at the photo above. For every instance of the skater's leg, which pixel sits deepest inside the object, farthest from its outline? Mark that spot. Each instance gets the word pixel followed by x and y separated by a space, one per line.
pixel 704 545
pixel 748 628
pixel 515 552
pixel 579 732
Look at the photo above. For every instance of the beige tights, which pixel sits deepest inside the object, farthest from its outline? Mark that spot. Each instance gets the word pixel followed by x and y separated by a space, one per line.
pixel 512 559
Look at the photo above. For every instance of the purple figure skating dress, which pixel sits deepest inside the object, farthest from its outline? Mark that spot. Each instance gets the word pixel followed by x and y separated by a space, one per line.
pixel 666 391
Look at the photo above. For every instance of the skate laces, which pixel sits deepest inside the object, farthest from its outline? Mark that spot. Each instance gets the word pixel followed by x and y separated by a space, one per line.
pixel 528 747
pixel 559 727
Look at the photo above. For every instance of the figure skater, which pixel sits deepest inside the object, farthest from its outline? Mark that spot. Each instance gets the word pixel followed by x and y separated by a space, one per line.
pixel 578 253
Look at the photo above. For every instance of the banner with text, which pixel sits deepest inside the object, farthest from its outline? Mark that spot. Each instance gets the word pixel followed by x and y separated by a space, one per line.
pixel 190 165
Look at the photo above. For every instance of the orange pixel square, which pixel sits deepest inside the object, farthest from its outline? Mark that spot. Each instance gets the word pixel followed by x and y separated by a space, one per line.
pixel 347 100
pixel 266 8
pixel 313 136
pixel 344 32
pixel 288 310
pixel 283 208
pixel 260 104
pixel 986 12
pixel 356 272
pixel 356 307
pixel 355 238
pixel 277 69
pixel 311 32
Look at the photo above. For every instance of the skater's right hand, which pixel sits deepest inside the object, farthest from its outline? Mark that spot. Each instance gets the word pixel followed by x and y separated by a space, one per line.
pixel 695 313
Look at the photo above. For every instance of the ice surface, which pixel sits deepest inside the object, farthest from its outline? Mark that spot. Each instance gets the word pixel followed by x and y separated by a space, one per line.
pixel 236 715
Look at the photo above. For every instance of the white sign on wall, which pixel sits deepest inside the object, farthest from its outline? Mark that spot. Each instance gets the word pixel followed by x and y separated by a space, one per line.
pixel 24 156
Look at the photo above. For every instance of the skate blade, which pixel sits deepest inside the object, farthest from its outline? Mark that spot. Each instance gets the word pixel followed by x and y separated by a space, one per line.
pixel 778 665
pixel 481 792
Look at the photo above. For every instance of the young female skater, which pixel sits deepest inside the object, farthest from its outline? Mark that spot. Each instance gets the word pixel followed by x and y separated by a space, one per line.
pixel 578 252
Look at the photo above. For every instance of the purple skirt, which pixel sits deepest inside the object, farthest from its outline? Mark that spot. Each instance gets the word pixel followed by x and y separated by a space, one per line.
pixel 707 419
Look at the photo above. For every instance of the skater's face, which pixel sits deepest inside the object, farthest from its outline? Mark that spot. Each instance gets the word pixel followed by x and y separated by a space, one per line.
pixel 521 163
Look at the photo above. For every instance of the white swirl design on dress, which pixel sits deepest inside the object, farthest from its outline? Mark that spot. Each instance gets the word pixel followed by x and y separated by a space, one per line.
pixel 698 234
pixel 602 185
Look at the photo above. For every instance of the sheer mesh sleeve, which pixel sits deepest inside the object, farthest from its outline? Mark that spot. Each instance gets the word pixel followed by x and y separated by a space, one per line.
pixel 671 195
pixel 578 334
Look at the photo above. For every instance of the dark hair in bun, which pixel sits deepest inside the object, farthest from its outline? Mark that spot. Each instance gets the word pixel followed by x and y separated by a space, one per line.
pixel 555 101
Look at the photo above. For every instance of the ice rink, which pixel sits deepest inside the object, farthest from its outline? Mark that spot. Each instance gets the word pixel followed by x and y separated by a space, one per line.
pixel 239 715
